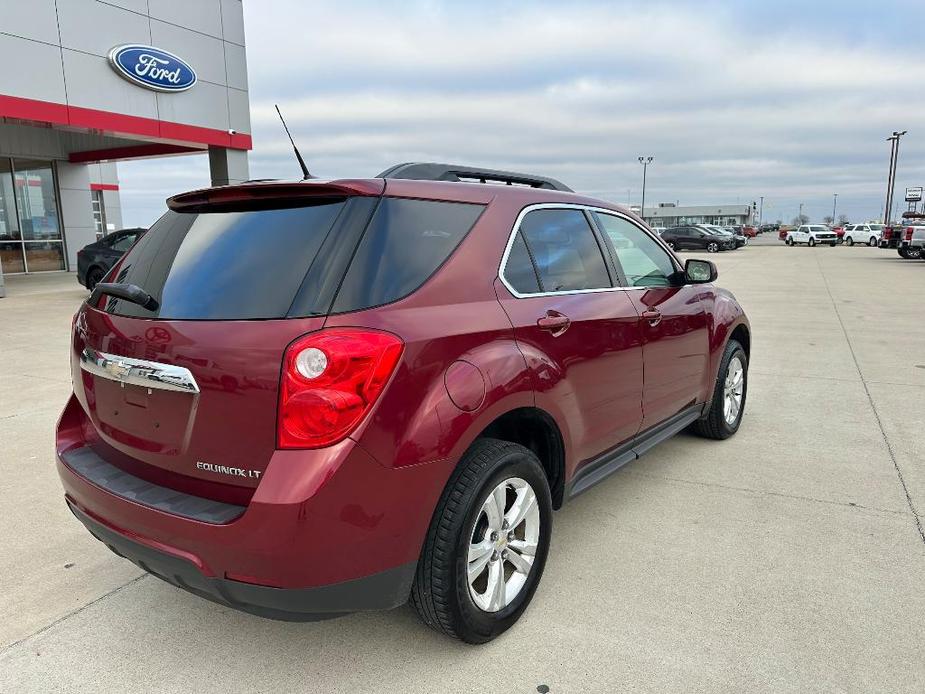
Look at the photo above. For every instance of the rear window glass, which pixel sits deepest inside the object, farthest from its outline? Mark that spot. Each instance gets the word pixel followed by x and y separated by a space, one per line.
pixel 225 265
pixel 406 241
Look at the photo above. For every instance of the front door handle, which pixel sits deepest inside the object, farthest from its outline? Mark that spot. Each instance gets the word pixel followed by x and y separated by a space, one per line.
pixel 554 322
pixel 653 315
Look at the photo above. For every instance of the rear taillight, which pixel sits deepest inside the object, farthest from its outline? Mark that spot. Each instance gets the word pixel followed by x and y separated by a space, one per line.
pixel 330 380
pixel 909 232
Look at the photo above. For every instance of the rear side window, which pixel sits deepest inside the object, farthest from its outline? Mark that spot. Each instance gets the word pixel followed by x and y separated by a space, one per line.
pixel 405 243
pixel 565 251
pixel 225 265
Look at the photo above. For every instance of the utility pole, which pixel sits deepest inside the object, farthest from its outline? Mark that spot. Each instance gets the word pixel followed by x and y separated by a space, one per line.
pixel 760 210
pixel 891 180
pixel 800 216
pixel 834 206
pixel 645 161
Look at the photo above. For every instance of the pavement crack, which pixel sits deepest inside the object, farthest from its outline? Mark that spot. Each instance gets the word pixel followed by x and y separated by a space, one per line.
pixel 766 492
pixel 873 407
pixel 63 618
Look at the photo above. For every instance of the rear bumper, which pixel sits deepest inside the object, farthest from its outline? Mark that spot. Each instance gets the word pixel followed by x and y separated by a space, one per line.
pixel 320 523
pixel 380 591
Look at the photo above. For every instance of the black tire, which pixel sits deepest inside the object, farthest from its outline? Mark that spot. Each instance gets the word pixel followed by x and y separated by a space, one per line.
pixel 832 245
pixel 714 424
pixel 789 241
pixel 440 593
pixel 94 275
pixel 849 241
pixel 903 253
pixel 712 247
pixel 811 242
pixel 871 242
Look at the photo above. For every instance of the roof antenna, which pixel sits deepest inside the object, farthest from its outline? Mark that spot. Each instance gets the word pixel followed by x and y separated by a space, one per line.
pixel 305 174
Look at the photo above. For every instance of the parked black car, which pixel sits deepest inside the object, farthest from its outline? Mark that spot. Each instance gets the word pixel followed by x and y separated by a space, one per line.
pixel 95 259
pixel 696 238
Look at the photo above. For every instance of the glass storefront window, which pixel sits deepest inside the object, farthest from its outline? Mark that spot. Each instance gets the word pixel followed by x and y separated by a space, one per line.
pixel 11 257
pixel 9 220
pixel 36 199
pixel 30 227
pixel 43 256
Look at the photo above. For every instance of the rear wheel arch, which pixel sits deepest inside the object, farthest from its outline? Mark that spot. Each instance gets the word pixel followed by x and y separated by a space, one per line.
pixel 536 430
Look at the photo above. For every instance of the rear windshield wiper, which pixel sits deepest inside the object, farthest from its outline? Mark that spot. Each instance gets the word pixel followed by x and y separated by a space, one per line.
pixel 129 292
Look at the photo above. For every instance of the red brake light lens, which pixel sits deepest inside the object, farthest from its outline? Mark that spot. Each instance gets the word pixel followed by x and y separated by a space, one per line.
pixel 330 381
pixel 909 232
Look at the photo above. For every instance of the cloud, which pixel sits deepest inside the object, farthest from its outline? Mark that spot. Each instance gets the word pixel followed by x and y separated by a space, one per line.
pixel 731 110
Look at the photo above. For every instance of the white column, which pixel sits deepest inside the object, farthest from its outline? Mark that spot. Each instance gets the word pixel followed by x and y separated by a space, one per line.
pixel 76 209
pixel 227 166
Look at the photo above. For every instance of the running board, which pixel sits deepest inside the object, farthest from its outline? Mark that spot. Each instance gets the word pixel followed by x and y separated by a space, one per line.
pixel 603 467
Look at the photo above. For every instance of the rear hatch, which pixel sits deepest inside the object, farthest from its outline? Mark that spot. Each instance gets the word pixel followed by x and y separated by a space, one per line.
pixel 185 395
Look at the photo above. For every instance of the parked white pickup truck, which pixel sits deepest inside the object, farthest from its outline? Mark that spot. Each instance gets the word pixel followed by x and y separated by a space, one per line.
pixel 811 234
pixel 912 240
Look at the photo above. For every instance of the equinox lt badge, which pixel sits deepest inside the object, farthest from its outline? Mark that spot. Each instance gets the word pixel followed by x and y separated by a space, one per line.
pixel 224 470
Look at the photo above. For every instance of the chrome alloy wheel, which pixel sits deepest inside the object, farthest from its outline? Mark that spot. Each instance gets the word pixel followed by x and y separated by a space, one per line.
pixel 732 390
pixel 503 544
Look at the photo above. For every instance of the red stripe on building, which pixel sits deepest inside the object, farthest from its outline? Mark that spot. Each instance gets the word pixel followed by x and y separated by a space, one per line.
pixel 104 186
pixel 111 123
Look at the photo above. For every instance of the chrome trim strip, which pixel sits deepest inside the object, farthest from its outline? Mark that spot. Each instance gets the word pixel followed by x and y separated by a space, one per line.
pixel 571 206
pixel 138 372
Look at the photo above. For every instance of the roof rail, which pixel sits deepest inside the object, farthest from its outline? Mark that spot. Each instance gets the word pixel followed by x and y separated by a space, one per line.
pixel 427 171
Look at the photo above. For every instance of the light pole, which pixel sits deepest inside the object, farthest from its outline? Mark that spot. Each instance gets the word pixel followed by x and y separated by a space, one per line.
pixel 834 206
pixel 891 180
pixel 645 161
pixel 800 216
pixel 760 210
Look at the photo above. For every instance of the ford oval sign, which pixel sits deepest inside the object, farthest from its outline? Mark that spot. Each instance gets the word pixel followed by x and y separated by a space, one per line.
pixel 152 68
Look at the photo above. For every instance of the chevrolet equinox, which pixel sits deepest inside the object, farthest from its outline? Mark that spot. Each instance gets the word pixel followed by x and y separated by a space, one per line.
pixel 304 399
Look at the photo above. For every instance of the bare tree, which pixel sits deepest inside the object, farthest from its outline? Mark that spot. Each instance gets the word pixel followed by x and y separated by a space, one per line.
pixel 828 219
pixel 800 219
pixel 842 219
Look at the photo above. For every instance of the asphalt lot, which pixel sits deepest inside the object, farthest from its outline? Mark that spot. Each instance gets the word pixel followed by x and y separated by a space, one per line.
pixel 788 558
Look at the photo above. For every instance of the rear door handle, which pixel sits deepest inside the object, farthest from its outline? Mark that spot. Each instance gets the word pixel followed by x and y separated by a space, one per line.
pixel 653 315
pixel 554 322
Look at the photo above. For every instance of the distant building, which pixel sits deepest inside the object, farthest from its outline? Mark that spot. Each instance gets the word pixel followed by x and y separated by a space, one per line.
pixel 668 214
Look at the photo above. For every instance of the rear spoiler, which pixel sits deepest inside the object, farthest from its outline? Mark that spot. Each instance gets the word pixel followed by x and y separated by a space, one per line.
pixel 273 193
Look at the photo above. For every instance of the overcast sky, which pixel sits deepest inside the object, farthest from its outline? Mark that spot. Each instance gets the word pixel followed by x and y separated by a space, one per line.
pixel 787 100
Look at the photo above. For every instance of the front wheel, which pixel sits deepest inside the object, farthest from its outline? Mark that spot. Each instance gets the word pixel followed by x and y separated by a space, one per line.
pixel 728 402
pixel 871 241
pixel 789 241
pixel 712 247
pixel 812 242
pixel 487 544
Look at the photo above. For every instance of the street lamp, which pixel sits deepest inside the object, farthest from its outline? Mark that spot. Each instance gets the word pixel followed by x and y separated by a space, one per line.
pixel 800 216
pixel 891 179
pixel 645 161
pixel 760 210
pixel 834 205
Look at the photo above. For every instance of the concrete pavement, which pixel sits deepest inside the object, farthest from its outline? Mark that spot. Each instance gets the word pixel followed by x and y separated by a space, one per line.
pixel 789 558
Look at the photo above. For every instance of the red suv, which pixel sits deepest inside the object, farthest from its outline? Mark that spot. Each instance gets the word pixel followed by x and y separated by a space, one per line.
pixel 306 399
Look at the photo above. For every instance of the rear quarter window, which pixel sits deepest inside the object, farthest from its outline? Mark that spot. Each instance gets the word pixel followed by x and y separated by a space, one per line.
pixel 405 243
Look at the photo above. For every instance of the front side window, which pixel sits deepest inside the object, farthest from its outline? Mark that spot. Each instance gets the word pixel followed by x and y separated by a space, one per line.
pixel 645 263
pixel 565 251
pixel 123 243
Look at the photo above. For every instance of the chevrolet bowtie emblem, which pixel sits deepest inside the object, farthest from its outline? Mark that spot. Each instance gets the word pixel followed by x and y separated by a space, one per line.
pixel 118 369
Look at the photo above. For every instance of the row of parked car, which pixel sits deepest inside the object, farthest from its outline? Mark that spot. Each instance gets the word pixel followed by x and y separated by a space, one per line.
pixel 907 237
pixel 706 237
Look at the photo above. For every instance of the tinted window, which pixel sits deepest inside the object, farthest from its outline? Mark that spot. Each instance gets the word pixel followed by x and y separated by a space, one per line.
pixel 225 265
pixel 645 263
pixel 407 240
pixel 565 251
pixel 123 243
pixel 519 271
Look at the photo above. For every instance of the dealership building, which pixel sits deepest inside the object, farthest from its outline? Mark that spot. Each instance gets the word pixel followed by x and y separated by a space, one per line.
pixel 669 214
pixel 88 83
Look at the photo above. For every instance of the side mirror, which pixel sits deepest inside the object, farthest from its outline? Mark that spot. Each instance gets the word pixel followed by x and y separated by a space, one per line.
pixel 699 271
